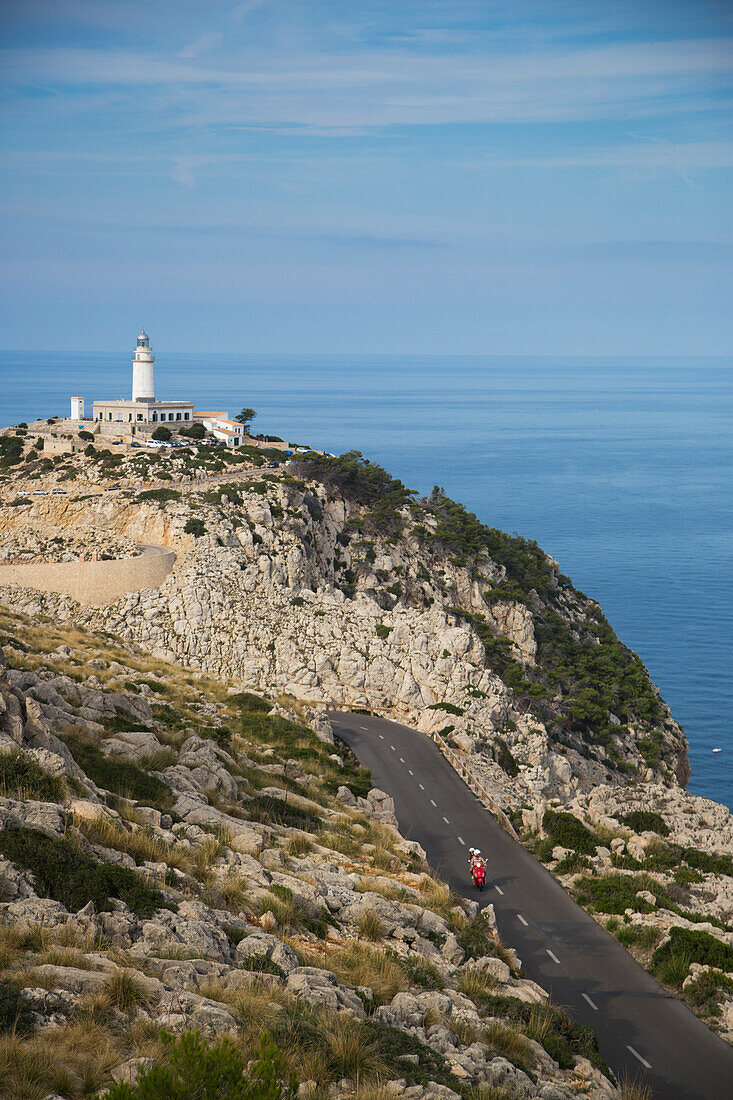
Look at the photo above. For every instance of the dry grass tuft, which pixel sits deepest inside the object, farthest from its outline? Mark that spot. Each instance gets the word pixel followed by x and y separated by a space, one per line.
pixel 354 1054
pixel 124 990
pixel 370 927
pixel 299 845
pixel 362 965
pixel 385 860
pixel 231 891
pixel 474 981
pixel 138 841
pixel 285 910
pixel 510 1043
pixel 74 1062
pixel 634 1090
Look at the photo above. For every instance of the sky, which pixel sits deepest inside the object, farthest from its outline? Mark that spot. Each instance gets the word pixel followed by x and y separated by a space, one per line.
pixel 375 176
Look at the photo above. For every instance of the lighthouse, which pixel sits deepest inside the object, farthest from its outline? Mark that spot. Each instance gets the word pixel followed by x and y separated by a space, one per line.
pixel 143 385
pixel 143 409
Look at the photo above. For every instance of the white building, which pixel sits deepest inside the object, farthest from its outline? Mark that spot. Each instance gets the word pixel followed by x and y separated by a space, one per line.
pixel 143 408
pixel 77 408
pixel 222 428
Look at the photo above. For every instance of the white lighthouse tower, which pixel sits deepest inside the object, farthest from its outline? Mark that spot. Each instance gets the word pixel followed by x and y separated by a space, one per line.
pixel 143 385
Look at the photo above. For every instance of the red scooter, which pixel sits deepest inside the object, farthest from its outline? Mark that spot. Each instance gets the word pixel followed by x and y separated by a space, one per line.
pixel 478 874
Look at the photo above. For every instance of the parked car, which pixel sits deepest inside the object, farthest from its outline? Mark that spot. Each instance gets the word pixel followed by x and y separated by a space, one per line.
pixel 59 492
pixel 273 465
pixel 40 492
pixel 136 444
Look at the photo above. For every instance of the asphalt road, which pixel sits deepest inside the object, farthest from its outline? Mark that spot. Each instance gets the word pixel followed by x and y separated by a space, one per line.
pixel 645 1034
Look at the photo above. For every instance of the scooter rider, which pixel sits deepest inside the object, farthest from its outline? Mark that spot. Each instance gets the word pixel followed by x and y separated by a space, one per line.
pixel 475 858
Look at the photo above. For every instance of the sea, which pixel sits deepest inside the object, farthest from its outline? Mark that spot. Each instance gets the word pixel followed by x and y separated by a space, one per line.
pixel 621 468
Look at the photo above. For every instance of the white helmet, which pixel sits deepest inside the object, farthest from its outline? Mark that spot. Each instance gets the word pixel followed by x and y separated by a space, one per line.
pixel 476 852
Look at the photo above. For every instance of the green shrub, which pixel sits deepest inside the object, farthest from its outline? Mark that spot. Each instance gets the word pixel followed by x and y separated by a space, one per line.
pixel 572 863
pixel 22 777
pixel 685 876
pixel 11 450
pixel 694 947
pixel 617 893
pixel 362 482
pixel 16 1015
pixel 504 758
pixel 201 1070
pixel 162 495
pixel 276 811
pixel 550 1026
pixel 195 527
pixel 712 863
pixel 542 849
pixel 64 873
pixel 475 940
pixel 704 994
pixel 566 830
pixel 420 971
pixel 383 631
pixel 357 779
pixel 162 433
pixel 642 821
pixel 193 431
pixel 118 776
pixel 636 935
pixel 449 708
pixel 246 701
pixel 392 1046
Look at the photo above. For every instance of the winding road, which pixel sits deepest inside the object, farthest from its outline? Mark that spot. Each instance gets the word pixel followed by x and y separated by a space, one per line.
pixel 645 1034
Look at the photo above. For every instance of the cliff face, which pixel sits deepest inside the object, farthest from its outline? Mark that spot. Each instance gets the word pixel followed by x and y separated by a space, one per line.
pixel 335 586
pixel 176 857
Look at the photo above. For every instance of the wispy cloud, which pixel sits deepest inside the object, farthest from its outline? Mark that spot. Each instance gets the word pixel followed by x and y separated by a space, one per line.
pixel 205 43
pixel 385 88
pixel 655 155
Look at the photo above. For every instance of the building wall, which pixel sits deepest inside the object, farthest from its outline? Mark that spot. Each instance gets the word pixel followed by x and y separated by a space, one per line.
pixel 94 583
pixel 111 412
pixel 52 446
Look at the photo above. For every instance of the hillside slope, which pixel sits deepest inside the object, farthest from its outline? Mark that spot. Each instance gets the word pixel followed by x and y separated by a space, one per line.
pixel 179 856
pixel 332 582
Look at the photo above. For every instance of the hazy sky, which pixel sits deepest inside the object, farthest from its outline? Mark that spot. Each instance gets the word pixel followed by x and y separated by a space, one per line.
pixel 474 176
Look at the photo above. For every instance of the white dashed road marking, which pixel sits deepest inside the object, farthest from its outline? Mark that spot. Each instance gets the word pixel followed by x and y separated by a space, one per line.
pixel 381 737
pixel 433 802
pixel 393 748
pixel 421 787
pixel 402 760
pixel 522 919
pixel 461 841
pixel 410 771
pixel 590 1002
pixel 553 956
pixel 363 728
pixel 500 891
pixel 445 819
pixel 637 1055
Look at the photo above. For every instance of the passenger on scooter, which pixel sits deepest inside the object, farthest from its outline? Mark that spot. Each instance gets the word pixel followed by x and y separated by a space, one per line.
pixel 475 858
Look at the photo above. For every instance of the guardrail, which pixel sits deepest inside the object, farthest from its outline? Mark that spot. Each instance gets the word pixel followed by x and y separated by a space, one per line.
pixel 473 782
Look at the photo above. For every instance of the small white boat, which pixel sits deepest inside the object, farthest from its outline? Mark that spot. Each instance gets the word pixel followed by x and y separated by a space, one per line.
pixel 717 750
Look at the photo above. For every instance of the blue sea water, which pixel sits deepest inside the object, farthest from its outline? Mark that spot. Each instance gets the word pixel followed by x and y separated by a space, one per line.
pixel 620 468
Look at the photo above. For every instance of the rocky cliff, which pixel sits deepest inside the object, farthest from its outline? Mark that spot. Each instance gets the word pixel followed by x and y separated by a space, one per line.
pixel 332 583
pixel 179 858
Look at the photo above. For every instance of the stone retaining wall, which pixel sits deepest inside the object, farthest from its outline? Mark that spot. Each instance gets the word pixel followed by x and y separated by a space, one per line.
pixel 94 583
